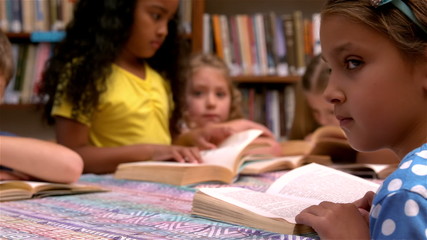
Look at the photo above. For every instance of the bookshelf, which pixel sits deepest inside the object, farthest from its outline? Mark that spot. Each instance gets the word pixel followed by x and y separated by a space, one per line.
pixel 262 86
pixel 248 7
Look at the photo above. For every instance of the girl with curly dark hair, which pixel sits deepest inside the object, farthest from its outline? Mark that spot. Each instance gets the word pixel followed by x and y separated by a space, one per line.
pixel 109 83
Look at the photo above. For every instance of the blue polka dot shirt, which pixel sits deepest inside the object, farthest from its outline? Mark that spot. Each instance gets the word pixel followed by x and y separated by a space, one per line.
pixel 399 209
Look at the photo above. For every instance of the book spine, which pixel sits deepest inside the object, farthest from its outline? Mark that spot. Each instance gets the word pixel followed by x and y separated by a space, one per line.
pixel 269 46
pixel 254 59
pixel 290 43
pixel 216 25
pixel 280 47
pixel 235 41
pixel 42 18
pixel 4 24
pixel 316 36
pixel 225 38
pixel 207 34
pixel 299 42
pixel 28 15
pixel 261 44
pixel 16 16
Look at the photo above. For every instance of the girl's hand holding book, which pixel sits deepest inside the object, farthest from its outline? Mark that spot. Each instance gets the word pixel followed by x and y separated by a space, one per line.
pixel 335 221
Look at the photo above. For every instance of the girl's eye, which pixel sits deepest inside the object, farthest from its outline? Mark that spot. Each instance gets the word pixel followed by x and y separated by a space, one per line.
pixel 197 93
pixel 221 94
pixel 156 16
pixel 353 63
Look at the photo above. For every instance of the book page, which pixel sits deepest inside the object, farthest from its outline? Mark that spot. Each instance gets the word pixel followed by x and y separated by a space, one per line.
pixel 15 184
pixel 272 206
pixel 230 149
pixel 252 166
pixel 223 156
pixel 322 183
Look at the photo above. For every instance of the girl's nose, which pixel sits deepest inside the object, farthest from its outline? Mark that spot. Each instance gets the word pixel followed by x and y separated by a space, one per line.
pixel 332 92
pixel 211 100
pixel 163 29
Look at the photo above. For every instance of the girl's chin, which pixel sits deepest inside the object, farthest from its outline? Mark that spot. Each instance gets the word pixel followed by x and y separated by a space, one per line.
pixel 206 122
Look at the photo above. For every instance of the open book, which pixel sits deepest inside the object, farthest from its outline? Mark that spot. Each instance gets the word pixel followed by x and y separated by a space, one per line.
pixel 259 164
pixel 326 146
pixel 228 160
pixel 325 141
pixel 275 210
pixel 19 190
pixel 220 164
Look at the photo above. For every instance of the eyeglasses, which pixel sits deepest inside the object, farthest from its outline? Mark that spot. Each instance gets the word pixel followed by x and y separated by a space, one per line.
pixel 399 4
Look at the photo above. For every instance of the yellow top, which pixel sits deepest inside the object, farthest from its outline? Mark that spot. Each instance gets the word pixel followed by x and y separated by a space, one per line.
pixel 131 111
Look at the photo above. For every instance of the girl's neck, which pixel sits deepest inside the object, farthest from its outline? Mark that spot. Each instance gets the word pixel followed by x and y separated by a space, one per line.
pixel 134 65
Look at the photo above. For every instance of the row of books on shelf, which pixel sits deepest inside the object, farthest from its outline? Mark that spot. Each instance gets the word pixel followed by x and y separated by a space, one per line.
pixel 185 13
pixel 262 43
pixel 29 63
pixel 35 15
pixel 271 106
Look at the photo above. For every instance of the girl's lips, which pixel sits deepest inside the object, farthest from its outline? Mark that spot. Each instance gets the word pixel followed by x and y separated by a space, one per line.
pixel 210 116
pixel 156 44
pixel 344 120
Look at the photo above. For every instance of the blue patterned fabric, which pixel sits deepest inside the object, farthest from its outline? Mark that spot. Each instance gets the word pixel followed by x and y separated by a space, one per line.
pixel 399 209
pixel 131 210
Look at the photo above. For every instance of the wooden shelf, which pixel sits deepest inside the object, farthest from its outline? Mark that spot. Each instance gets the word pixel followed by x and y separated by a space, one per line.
pixel 37 36
pixel 22 35
pixel 266 79
pixel 19 106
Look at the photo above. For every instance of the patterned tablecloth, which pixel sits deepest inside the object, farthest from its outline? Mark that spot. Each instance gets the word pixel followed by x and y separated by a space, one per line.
pixel 131 210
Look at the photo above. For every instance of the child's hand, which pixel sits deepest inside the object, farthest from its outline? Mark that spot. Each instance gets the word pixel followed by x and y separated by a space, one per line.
pixel 177 153
pixel 204 138
pixel 364 205
pixel 335 221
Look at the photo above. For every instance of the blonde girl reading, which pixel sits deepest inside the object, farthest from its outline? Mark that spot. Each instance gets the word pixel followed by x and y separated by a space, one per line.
pixel 211 98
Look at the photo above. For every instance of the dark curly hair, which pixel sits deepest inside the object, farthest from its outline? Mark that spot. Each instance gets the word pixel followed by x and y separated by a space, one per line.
pixel 81 63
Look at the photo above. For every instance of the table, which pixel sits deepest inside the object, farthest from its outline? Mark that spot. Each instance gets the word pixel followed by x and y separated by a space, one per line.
pixel 131 210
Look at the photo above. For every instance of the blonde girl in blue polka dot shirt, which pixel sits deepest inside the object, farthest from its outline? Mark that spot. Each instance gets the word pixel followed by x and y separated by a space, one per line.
pixel 377 52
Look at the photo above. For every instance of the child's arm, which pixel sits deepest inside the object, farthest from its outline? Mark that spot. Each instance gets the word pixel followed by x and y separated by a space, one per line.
pixel 204 138
pixel 213 134
pixel 106 159
pixel 239 125
pixel 266 146
pixel 43 160
pixel 335 221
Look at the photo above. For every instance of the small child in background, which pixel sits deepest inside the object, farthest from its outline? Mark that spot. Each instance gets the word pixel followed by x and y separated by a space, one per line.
pixel 27 158
pixel 378 85
pixel 314 82
pixel 211 98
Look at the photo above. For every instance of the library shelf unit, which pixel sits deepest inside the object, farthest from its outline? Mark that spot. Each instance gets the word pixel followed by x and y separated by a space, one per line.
pixel 254 86
pixel 234 7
